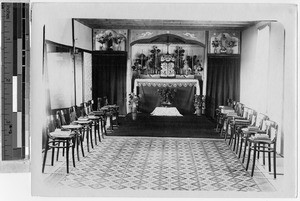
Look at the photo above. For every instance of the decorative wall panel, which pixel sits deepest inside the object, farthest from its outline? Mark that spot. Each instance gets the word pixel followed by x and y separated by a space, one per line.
pixel 189 35
pixel 224 42
pixel 98 34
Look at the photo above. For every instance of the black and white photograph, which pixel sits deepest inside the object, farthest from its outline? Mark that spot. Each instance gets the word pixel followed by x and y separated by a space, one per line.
pixel 163 99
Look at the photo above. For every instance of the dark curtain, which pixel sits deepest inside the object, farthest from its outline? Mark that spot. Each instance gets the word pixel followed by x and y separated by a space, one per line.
pixel 223 82
pixel 183 100
pixel 109 77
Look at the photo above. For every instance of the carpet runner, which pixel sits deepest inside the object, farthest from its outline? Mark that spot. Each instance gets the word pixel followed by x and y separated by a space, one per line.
pixel 159 164
pixel 189 126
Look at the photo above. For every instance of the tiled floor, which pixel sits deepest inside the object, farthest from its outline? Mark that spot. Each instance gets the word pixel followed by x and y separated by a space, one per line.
pixel 137 163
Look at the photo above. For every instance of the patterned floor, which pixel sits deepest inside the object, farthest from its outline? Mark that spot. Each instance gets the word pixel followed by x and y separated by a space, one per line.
pixel 137 163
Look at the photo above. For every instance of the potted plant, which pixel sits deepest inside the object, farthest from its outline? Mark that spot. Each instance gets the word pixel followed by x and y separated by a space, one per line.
pixel 133 104
pixel 198 104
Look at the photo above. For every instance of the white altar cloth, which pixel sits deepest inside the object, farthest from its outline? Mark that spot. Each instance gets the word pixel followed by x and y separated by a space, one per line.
pixel 166 111
pixel 167 82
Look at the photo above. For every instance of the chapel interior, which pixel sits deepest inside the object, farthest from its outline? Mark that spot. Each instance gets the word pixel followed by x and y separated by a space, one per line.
pixel 158 79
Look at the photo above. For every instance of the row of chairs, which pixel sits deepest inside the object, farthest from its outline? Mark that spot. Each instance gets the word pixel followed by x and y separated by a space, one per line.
pixel 248 131
pixel 68 128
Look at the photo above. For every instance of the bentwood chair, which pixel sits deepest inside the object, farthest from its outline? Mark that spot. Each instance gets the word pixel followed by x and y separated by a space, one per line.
pixel 265 143
pixel 237 113
pixel 112 112
pixel 236 124
pixel 229 106
pixel 259 126
pixel 95 120
pixel 53 141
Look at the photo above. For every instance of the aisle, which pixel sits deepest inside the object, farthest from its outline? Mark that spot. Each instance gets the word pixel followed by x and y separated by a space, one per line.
pixel 189 126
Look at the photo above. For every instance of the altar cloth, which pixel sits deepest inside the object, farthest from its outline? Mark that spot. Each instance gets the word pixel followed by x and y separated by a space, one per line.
pixel 166 111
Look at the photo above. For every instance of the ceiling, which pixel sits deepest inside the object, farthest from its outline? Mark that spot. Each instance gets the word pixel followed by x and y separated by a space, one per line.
pixel 164 24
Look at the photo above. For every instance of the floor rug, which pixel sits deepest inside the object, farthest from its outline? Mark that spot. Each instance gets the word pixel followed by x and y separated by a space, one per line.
pixel 191 126
pixel 143 163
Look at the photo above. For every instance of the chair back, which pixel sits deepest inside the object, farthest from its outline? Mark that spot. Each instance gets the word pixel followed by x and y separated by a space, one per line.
pixel 61 115
pixel 82 110
pixel 273 132
pixel 259 120
pixel 57 120
pixel 239 109
pixel 253 118
pixel 72 113
pixel 246 110
pixel 51 123
pixel 99 100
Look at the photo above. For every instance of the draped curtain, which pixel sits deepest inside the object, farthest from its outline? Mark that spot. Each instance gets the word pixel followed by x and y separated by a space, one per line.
pixel 223 82
pixel 109 77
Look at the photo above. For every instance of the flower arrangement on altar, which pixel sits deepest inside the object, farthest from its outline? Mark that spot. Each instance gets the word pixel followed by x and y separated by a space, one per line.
pixel 166 95
pixel 133 100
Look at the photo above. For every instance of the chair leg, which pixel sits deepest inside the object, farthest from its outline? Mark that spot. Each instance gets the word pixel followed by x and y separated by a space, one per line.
pixel 98 129
pixel 45 157
pixel 274 163
pixel 241 145
pixel 87 139
pixel 81 144
pixel 67 156
pixel 57 153
pixel 269 158
pixel 53 150
pixel 91 136
pixel 95 132
pixel 264 155
pixel 249 155
pixel 63 152
pixel 76 143
pixel 237 142
pixel 245 148
pixel 111 123
pixel 73 150
pixel 254 158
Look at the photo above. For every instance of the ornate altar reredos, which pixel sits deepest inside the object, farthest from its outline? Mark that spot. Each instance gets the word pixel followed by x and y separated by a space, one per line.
pixel 167 66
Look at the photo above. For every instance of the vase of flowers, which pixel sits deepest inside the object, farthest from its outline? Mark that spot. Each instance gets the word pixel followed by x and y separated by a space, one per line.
pixel 166 96
pixel 133 105
pixel 198 102
pixel 230 45
pixel 215 43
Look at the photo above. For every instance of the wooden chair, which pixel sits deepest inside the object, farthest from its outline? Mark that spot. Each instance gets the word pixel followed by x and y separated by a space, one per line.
pixel 236 124
pixel 53 141
pixel 266 143
pixel 259 125
pixel 95 120
pixel 229 106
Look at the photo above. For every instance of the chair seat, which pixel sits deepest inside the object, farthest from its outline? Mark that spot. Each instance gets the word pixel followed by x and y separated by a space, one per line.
pixel 83 122
pixel 93 117
pixel 62 134
pixel 75 126
pixel 259 137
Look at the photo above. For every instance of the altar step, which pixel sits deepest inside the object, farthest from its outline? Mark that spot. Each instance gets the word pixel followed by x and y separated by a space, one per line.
pixel 190 126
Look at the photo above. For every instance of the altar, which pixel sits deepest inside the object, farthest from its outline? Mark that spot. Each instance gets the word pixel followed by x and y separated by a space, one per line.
pixel 184 97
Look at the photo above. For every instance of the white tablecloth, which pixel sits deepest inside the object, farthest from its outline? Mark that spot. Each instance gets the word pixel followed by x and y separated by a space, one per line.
pixel 167 82
pixel 166 111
